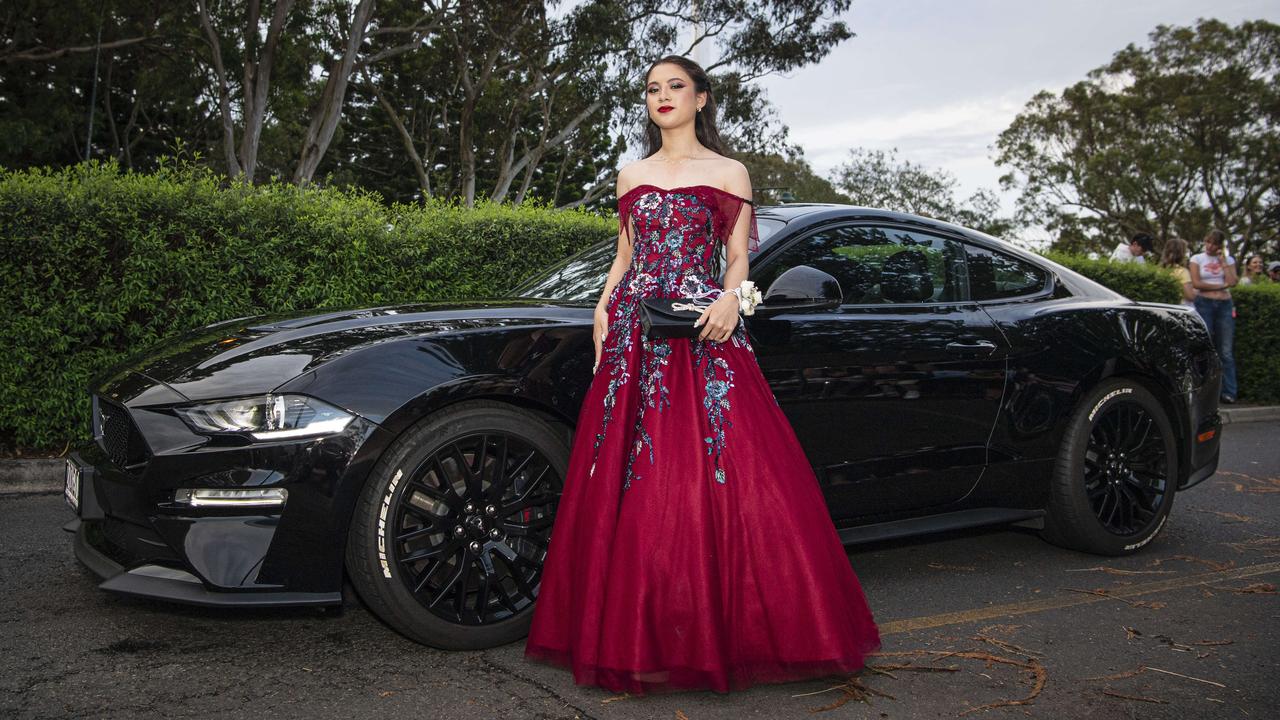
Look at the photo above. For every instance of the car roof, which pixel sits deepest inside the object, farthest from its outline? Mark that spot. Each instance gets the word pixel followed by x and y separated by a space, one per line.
pixel 800 215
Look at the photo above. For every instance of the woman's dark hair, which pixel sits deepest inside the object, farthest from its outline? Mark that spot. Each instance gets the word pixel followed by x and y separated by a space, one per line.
pixel 704 122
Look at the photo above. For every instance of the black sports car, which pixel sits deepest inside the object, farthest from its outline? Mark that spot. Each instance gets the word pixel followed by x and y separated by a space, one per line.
pixel 937 378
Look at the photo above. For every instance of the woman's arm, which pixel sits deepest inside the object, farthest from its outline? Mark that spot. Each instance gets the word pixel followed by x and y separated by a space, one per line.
pixel 1229 270
pixel 1199 284
pixel 622 258
pixel 719 320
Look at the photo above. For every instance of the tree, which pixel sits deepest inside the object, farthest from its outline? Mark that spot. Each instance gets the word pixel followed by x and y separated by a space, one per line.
pixel 412 98
pixel 880 179
pixel 1165 139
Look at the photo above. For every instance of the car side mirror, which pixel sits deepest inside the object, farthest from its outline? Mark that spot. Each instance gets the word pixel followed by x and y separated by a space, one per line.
pixel 801 289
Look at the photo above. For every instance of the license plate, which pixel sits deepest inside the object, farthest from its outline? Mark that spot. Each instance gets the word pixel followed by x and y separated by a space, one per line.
pixel 72 489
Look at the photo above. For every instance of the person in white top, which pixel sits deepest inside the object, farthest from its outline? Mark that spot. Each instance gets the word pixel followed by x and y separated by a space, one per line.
pixel 1132 251
pixel 1213 274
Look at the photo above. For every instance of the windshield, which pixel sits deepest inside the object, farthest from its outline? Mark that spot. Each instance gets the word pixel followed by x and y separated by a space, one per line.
pixel 581 277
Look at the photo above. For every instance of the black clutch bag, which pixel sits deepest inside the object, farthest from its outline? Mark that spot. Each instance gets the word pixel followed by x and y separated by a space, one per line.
pixel 658 319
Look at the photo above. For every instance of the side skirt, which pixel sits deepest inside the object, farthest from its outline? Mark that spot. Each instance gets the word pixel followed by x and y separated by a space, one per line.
pixel 957 520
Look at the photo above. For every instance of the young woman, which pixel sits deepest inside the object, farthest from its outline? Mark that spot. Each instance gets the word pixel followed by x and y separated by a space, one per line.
pixel 1213 274
pixel 1174 257
pixel 1253 270
pixel 692 546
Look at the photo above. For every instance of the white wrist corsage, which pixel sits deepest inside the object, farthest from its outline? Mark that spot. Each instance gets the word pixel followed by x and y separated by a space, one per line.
pixel 748 297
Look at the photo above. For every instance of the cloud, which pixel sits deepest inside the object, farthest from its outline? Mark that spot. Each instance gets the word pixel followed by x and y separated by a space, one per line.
pixel 955 134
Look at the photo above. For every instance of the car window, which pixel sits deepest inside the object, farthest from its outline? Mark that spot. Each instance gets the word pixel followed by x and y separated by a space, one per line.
pixel 995 275
pixel 880 265
pixel 582 276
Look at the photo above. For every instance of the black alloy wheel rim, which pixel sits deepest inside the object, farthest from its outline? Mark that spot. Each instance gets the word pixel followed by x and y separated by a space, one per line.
pixel 1126 469
pixel 471 527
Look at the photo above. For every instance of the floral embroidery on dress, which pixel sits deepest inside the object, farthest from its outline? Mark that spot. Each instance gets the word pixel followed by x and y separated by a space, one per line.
pixel 675 245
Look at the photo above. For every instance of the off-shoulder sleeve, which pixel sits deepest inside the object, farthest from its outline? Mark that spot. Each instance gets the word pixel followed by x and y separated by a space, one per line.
pixel 624 214
pixel 731 208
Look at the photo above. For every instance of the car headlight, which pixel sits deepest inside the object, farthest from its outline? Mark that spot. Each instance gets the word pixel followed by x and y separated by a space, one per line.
pixel 266 417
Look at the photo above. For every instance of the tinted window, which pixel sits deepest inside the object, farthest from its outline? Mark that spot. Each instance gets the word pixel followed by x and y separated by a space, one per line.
pixel 582 276
pixel 995 275
pixel 879 265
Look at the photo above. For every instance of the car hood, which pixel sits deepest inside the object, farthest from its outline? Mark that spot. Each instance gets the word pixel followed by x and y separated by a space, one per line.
pixel 256 354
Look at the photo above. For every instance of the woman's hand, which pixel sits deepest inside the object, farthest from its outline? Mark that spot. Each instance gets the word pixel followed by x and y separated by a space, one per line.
pixel 601 329
pixel 720 319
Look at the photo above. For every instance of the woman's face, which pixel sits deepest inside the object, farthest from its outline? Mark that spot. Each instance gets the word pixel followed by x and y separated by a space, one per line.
pixel 1211 245
pixel 670 97
pixel 1255 264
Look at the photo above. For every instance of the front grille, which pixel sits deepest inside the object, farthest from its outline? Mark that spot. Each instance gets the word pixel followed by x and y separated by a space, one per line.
pixel 119 437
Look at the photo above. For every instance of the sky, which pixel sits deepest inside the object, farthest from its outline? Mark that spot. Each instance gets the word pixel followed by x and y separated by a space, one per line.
pixel 939 80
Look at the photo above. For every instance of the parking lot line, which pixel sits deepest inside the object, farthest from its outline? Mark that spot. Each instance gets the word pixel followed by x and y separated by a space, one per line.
pixel 1065 601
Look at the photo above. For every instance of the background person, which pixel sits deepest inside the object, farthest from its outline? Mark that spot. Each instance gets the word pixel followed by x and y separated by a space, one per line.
pixel 1273 270
pixel 1253 270
pixel 1213 273
pixel 1132 251
pixel 1174 257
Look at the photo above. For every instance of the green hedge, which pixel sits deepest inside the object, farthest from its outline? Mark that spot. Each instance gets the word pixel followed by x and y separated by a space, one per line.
pixel 1257 337
pixel 98 263
pixel 1137 281
pixel 1257 346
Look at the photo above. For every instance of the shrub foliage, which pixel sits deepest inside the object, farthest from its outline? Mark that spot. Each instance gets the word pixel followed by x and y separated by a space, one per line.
pixel 99 263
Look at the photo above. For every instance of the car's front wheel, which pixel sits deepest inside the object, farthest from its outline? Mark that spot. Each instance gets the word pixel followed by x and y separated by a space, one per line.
pixel 451 530
pixel 1116 471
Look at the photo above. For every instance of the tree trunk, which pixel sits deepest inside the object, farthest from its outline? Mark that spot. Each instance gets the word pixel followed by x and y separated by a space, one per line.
pixel 325 120
pixel 257 80
pixel 224 92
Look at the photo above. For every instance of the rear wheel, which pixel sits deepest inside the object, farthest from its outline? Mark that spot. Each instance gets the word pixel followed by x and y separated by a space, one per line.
pixel 1116 472
pixel 451 530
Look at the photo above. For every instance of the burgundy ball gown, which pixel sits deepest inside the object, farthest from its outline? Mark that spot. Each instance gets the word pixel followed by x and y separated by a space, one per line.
pixel 692 546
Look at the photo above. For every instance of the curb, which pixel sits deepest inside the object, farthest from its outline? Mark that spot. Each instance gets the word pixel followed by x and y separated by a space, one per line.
pixel 25 476
pixel 31 475
pixel 1249 414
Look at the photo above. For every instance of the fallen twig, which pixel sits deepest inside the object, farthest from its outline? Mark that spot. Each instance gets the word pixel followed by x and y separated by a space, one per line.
pixel 1037 670
pixel 1102 593
pixel 851 689
pixel 1118 571
pixel 1134 697
pixel 1170 672
pixel 1191 558
pixel 1255 588
pixel 1229 515
pixel 1006 646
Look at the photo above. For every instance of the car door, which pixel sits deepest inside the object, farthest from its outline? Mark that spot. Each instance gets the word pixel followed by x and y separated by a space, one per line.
pixel 893 394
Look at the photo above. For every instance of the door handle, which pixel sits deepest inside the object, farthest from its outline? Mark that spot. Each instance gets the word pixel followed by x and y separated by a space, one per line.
pixel 978 346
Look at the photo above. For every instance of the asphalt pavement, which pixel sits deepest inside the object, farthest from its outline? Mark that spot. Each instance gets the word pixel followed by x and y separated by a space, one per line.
pixel 988 624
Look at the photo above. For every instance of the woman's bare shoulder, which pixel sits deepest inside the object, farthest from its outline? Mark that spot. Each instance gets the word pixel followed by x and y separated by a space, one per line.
pixel 630 175
pixel 734 177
